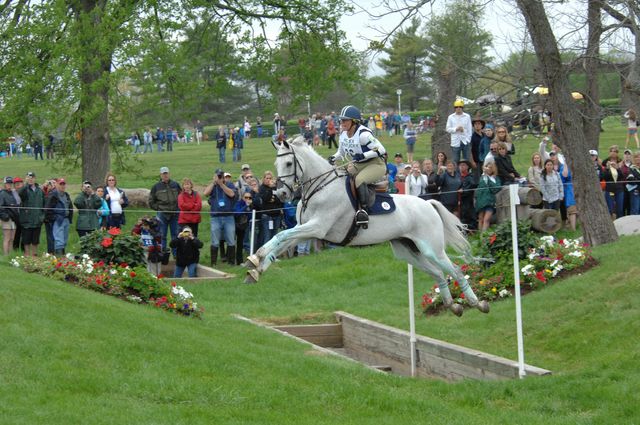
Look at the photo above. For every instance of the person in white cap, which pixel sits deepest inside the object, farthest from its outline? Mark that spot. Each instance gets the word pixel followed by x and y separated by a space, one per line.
pixel 164 199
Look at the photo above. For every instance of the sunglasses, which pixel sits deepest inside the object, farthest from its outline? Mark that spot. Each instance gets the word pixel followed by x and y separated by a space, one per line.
pixel 247 197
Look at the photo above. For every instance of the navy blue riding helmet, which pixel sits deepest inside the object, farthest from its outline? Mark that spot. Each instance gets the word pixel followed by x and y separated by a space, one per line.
pixel 350 112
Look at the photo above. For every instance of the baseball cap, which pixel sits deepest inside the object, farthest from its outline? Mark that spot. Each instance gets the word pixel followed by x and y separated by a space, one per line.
pixel 17 180
pixel 552 153
pixel 227 175
pixel 219 171
pixel 627 151
pixel 246 167
pixel 593 152
pixel 407 166
pixel 87 182
pixel 61 181
pixel 398 155
pixel 8 179
pixel 164 170
pixel 31 174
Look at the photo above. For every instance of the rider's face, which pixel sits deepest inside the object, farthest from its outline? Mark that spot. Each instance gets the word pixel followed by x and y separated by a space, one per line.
pixel 345 124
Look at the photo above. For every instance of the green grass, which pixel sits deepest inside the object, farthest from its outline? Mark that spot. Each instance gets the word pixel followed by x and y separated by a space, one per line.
pixel 74 356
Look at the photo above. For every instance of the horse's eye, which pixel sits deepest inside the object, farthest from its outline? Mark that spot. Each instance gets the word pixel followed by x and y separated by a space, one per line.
pixel 289 164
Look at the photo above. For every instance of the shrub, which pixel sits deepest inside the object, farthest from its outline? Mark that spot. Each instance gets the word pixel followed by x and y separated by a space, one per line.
pixel 113 247
pixel 499 242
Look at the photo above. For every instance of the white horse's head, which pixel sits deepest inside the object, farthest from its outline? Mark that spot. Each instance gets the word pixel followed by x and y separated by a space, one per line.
pixel 288 168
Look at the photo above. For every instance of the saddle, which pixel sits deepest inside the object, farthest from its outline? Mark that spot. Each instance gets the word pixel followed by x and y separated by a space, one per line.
pixel 379 201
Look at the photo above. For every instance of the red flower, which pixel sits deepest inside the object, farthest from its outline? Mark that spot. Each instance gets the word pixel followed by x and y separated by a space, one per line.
pixel 492 239
pixel 100 263
pixel 464 268
pixel 455 283
pixel 114 231
pixel 173 284
pixel 98 281
pixel 160 276
pixel 124 265
pixel 462 296
pixel 132 274
pixel 540 276
pixel 107 242
pixel 58 265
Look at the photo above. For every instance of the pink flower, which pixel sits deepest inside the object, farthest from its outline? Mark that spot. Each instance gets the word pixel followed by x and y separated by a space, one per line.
pixel 114 231
pixel 107 242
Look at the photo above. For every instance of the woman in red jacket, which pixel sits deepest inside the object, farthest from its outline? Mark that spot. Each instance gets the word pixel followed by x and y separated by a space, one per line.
pixel 190 205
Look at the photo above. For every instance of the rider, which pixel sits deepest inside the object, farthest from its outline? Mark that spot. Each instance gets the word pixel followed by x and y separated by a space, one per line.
pixel 368 166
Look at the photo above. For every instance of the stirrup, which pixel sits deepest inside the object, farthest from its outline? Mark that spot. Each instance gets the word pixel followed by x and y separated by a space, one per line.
pixel 362 218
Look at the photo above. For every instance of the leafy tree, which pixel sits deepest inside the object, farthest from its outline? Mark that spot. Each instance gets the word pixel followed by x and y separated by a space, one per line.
pixel 457 49
pixel 404 68
pixel 63 62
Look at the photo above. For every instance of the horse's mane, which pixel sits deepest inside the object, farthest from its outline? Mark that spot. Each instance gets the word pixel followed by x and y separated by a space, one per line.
pixel 299 144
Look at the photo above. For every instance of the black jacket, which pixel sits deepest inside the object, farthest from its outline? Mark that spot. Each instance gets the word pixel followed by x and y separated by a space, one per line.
pixel 187 250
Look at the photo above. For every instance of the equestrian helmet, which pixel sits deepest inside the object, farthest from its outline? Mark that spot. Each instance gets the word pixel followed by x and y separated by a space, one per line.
pixel 350 112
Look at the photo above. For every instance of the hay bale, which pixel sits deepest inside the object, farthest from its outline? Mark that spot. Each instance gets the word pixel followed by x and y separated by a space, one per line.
pixel 138 197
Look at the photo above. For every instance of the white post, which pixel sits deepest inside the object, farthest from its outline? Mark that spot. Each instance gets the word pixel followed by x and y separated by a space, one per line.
pixel 412 320
pixel 515 199
pixel 399 93
pixel 253 231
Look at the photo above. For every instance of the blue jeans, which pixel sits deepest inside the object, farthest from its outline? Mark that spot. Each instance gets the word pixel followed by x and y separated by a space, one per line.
pixel 159 143
pixel 237 155
pixel 148 147
pixel 168 222
pixel 634 207
pixel 615 202
pixel 221 154
pixel 60 233
pixel 267 233
pixel 191 270
pixel 465 150
pixel 226 224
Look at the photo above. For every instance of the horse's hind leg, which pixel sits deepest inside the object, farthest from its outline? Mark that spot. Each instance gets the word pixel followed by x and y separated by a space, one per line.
pixel 457 274
pixel 405 249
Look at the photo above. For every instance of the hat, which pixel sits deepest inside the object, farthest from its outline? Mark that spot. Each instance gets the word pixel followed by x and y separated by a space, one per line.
pixel 593 152
pixel 87 182
pixel 464 161
pixel 407 166
pixel 246 167
pixel 61 181
pixel 17 180
pixel 186 229
pixel 552 153
pixel 164 170
pixel 627 151
pixel 227 174
pixel 398 155
pixel 219 171
pixel 478 119
pixel 31 174
pixel 488 127
pixel 8 179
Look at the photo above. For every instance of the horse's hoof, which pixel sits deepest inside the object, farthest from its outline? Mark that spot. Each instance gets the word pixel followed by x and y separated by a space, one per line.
pixel 456 309
pixel 252 262
pixel 483 306
pixel 252 277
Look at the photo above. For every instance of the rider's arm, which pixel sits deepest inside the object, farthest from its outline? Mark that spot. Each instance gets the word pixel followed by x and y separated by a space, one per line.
pixel 373 146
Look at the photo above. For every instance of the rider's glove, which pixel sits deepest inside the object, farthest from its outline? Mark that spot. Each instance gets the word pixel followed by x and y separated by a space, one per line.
pixel 332 160
pixel 358 157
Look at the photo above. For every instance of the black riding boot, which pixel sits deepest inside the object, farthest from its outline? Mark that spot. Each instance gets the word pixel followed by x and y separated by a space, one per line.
pixel 59 252
pixel 362 217
pixel 239 255
pixel 214 255
pixel 223 252
pixel 231 255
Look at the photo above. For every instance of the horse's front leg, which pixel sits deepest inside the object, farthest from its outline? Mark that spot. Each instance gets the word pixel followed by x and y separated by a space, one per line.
pixel 267 254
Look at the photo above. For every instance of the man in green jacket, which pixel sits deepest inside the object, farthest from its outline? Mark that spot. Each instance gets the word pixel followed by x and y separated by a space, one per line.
pixel 31 214
pixel 164 199
pixel 88 204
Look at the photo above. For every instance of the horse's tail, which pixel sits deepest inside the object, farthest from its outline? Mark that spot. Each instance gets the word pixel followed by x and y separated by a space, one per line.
pixel 453 230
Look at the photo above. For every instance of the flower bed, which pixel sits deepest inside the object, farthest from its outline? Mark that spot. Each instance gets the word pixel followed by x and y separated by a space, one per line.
pixel 133 284
pixel 550 260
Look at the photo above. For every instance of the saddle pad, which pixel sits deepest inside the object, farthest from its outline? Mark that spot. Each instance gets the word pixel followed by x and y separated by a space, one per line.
pixel 383 204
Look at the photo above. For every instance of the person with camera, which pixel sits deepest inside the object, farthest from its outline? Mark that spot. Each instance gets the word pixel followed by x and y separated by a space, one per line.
pixel 88 204
pixel 222 199
pixel 187 253
pixel 59 211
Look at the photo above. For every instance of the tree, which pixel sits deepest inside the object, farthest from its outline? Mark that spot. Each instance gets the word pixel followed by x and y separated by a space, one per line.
pixel 404 68
pixel 596 222
pixel 61 59
pixel 457 49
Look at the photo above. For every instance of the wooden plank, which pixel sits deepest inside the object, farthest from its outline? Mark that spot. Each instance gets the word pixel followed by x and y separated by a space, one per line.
pixel 304 331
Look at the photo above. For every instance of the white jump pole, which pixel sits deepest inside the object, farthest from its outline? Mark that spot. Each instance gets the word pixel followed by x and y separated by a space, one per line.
pixel 253 231
pixel 412 320
pixel 515 199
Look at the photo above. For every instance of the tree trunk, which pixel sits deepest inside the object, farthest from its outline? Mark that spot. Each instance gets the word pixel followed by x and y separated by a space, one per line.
pixel 631 82
pixel 441 140
pixel 591 63
pixel 593 213
pixel 94 74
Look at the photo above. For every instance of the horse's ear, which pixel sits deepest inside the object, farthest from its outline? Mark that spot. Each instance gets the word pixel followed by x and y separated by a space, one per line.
pixel 275 144
pixel 286 144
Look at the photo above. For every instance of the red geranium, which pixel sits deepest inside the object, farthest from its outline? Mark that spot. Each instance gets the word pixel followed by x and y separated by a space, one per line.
pixel 114 231
pixel 540 276
pixel 132 274
pixel 492 239
pixel 107 242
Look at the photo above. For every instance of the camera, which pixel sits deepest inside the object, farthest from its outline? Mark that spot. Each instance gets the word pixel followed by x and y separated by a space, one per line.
pixel 220 175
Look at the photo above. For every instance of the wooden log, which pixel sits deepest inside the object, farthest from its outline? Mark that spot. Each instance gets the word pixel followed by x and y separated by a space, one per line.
pixel 547 221
pixel 138 197
pixel 527 196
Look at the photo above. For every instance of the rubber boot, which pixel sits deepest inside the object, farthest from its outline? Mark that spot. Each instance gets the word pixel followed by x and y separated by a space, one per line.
pixel 59 253
pixel 239 255
pixel 214 255
pixel 231 255
pixel 362 217
pixel 223 252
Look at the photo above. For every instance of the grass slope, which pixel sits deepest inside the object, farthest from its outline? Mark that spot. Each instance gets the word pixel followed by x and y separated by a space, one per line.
pixel 73 356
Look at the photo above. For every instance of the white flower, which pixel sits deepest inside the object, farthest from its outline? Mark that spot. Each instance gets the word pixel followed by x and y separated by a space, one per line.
pixel 88 270
pixel 527 270
pixel 532 255
pixel 112 271
pixel 15 263
pixel 554 263
pixel 69 256
pixel 437 290
pixel 576 254
pixel 547 240
pixel 503 293
pixel 86 257
pixel 134 298
pixel 466 276
pixel 181 292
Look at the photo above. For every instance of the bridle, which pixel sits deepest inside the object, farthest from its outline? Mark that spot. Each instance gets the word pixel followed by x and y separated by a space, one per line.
pixel 309 187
